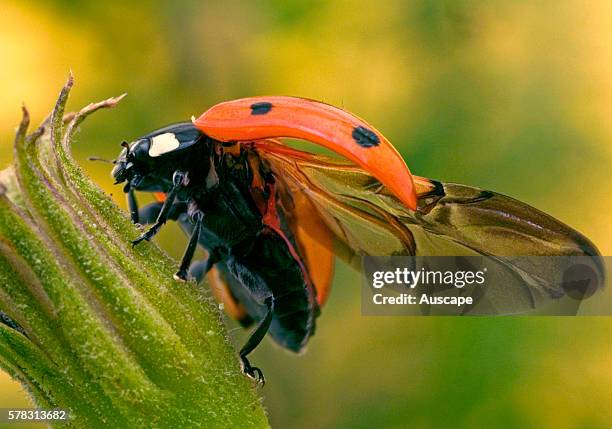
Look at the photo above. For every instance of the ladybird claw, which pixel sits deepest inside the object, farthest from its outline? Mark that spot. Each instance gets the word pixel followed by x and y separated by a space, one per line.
pixel 147 235
pixel 252 371
pixel 181 276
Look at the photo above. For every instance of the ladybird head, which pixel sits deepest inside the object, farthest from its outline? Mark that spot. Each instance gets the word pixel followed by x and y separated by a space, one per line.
pixel 125 164
pixel 149 162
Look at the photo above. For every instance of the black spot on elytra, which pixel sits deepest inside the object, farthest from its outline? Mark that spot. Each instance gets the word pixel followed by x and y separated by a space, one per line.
pixel 365 137
pixel 261 108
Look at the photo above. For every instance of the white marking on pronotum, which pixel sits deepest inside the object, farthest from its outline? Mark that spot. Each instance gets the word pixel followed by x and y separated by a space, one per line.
pixel 162 144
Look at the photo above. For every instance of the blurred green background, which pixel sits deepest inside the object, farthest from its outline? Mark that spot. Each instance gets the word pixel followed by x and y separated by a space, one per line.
pixel 514 96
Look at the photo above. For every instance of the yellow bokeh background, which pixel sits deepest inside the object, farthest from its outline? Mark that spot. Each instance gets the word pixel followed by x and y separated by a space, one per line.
pixel 513 96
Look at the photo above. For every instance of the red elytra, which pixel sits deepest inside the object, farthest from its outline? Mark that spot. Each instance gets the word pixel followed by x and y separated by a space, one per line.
pixel 257 118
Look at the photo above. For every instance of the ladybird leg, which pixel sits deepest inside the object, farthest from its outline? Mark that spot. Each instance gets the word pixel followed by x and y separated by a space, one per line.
pixel 258 334
pixel 182 274
pixel 133 206
pixel 177 183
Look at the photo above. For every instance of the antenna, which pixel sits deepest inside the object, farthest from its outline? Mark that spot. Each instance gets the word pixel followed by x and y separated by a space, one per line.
pixel 96 158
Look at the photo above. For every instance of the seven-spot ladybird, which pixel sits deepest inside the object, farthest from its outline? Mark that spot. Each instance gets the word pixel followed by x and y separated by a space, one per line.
pixel 273 218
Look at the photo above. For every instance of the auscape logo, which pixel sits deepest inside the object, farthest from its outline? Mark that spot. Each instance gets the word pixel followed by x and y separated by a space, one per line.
pixel 485 285
pixel 404 277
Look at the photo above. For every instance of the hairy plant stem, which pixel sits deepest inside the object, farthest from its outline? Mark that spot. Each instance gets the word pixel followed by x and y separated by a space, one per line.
pixel 92 325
